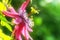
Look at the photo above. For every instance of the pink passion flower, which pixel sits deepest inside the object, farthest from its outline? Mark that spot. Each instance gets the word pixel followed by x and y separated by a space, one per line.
pixel 22 22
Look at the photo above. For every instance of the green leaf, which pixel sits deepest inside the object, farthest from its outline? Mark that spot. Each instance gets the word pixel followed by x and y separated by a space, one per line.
pixel 3 18
pixel 3 23
pixel 4 36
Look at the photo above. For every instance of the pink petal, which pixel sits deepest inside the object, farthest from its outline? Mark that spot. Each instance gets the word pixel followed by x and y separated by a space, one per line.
pixel 17 33
pixel 23 32
pixel 26 34
pixel 28 28
pixel 18 29
pixel 27 2
pixel 20 37
pixel 10 14
pixel 17 20
pixel 12 10
pixel 24 5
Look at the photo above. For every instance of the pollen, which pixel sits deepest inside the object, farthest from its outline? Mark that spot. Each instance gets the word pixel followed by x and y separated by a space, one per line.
pixel 33 10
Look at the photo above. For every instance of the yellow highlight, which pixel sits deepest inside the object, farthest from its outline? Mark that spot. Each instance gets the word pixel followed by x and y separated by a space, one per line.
pixel 1 39
pixel 3 36
pixel 33 10
pixel 5 1
pixel 2 7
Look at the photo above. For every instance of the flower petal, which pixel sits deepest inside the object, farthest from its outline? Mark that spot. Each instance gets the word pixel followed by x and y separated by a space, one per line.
pixel 17 20
pixel 10 14
pixel 20 37
pixel 24 5
pixel 29 29
pixel 26 34
pixel 18 29
pixel 12 10
pixel 17 32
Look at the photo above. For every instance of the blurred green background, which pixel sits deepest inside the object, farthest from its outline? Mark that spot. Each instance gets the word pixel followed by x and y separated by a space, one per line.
pixel 47 22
